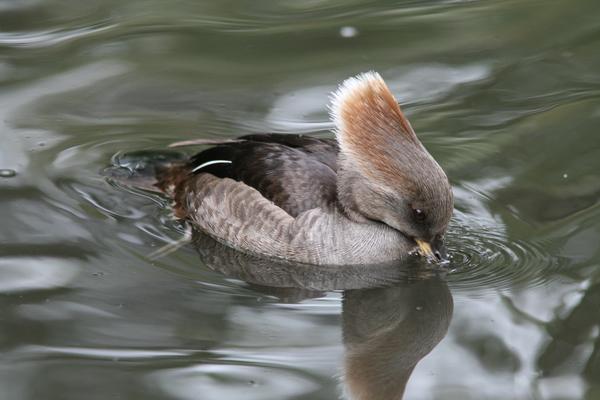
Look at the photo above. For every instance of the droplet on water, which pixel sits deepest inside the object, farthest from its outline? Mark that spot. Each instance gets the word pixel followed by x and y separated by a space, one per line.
pixel 565 176
pixel 348 31
pixel 7 173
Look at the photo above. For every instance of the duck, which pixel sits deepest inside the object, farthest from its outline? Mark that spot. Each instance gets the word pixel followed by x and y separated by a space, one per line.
pixel 371 194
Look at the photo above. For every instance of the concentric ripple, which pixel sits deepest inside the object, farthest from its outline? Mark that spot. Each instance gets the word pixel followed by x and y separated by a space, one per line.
pixel 483 255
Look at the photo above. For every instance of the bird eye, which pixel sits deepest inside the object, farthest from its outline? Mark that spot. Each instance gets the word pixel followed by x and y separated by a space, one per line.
pixel 419 214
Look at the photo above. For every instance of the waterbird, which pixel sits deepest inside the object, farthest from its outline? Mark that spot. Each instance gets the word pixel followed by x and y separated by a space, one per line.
pixel 371 194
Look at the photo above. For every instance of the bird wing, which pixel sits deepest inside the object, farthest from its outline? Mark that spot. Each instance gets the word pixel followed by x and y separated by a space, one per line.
pixel 295 172
pixel 241 217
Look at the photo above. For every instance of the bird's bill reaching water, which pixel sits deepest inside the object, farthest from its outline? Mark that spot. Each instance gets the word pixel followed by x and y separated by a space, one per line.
pixel 434 252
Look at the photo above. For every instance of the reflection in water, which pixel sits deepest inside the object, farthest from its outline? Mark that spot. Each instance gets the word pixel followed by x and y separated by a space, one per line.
pixel 222 382
pixel 575 336
pixel 393 316
pixel 387 331
pixel 35 273
pixel 506 95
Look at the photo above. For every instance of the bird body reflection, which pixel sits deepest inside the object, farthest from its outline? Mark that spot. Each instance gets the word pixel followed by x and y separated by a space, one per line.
pixel 392 316
pixel 387 331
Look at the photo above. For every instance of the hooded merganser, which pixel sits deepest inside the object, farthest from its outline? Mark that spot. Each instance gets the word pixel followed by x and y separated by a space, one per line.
pixel 373 194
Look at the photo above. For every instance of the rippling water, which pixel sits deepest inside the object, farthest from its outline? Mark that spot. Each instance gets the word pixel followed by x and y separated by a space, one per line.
pixel 505 94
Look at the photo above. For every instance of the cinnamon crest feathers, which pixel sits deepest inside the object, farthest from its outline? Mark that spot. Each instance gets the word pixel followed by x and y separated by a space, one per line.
pixel 373 194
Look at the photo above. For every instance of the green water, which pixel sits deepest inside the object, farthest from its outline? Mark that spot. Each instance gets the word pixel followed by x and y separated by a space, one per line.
pixel 505 94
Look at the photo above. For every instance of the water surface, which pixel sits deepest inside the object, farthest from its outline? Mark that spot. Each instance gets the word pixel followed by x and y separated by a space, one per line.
pixel 505 94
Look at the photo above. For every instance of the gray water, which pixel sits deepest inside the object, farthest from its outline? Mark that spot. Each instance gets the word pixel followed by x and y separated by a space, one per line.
pixel 506 96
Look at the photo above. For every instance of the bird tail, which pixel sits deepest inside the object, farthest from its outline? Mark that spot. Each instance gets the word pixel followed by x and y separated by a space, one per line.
pixel 147 170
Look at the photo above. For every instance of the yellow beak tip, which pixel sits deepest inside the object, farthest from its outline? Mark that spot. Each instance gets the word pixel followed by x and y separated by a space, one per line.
pixel 425 248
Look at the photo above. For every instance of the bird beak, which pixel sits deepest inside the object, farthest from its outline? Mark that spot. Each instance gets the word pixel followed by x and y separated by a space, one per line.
pixel 435 253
